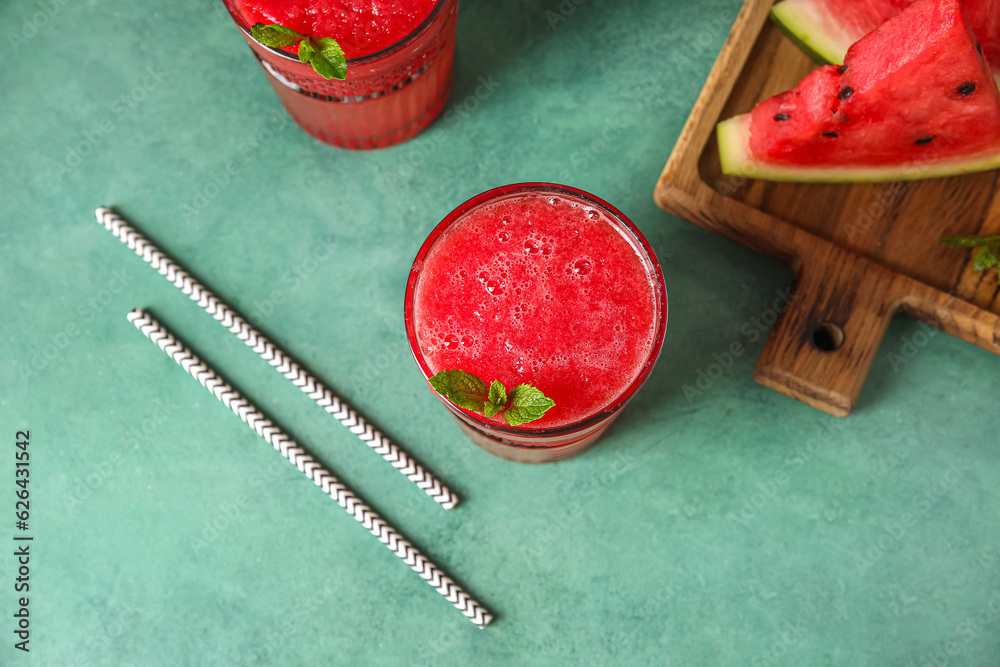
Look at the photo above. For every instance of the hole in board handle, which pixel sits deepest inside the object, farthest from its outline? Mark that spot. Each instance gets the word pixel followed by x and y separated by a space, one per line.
pixel 828 337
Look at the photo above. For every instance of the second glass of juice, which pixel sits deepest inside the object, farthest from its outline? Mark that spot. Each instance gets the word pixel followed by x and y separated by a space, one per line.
pixel 399 68
pixel 546 285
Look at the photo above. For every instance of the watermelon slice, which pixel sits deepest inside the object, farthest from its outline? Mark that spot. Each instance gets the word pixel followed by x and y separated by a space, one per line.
pixel 914 99
pixel 825 29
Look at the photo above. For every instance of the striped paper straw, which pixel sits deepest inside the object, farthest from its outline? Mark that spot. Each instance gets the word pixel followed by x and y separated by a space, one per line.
pixel 277 358
pixel 266 429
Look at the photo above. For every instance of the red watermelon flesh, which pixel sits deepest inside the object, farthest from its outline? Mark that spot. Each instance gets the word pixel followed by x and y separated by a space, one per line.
pixel 915 89
pixel 984 16
pixel 826 28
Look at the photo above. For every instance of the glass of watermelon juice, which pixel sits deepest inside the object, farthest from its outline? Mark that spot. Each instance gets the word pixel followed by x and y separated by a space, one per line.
pixel 546 285
pixel 399 66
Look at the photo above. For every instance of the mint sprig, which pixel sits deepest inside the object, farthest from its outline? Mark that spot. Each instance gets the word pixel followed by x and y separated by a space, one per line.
pixel 988 254
pixel 521 405
pixel 323 53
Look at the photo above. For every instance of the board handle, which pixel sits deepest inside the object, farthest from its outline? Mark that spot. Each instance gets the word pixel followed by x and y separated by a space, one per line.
pixel 823 344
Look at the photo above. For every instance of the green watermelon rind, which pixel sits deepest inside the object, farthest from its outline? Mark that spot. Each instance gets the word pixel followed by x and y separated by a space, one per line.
pixel 734 151
pixel 800 31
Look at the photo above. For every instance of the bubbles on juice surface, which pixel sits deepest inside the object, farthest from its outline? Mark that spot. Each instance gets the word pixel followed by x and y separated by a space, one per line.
pixel 581 267
pixel 451 339
pixel 537 244
pixel 520 310
pixel 496 286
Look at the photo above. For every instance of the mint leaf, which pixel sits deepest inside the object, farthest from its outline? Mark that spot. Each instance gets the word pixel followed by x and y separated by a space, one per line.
pixel 971 241
pixel 523 404
pixel 329 59
pixel 526 404
pixel 323 53
pixel 490 409
pixel 463 389
pixel 497 399
pixel 306 50
pixel 498 394
pixel 275 36
pixel 987 257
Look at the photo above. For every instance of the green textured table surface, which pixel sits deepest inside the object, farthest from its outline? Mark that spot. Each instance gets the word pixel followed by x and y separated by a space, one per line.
pixel 718 522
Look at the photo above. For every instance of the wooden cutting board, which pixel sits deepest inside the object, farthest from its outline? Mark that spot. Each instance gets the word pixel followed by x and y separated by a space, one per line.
pixel 861 252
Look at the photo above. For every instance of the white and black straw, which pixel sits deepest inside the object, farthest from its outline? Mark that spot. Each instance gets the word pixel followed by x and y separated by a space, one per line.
pixel 277 358
pixel 266 429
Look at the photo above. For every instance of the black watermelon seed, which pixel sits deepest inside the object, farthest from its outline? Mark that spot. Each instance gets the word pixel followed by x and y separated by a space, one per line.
pixel 967 88
pixel 845 92
pixel 924 140
pixel 832 135
pixel 979 48
pixel 841 69
pixel 781 116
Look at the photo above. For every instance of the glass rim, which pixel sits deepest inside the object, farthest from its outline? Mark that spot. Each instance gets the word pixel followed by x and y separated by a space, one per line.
pixel 626 225
pixel 359 60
